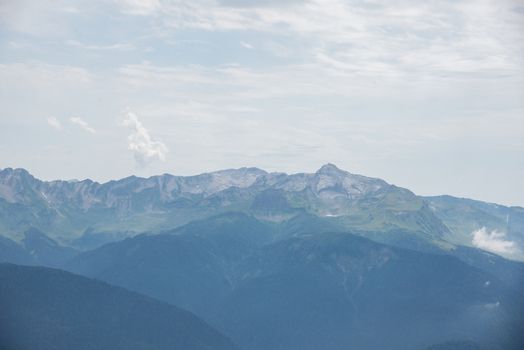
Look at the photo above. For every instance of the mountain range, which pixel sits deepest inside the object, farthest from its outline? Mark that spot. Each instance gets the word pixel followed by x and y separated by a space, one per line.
pixel 326 260
pixel 86 214
pixel 269 289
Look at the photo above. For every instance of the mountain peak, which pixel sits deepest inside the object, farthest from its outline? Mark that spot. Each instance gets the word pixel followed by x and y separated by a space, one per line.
pixel 329 168
pixel 18 172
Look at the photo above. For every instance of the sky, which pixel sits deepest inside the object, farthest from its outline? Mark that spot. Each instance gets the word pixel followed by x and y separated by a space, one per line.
pixel 427 95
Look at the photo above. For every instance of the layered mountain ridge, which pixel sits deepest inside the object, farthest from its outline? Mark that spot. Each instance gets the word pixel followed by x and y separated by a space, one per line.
pixel 325 260
pixel 305 287
pixel 85 214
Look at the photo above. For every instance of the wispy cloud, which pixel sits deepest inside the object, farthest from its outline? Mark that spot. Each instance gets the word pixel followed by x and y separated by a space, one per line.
pixel 145 149
pixel 494 241
pixel 54 123
pixel 139 7
pixel 42 75
pixel 246 45
pixel 429 39
pixel 117 46
pixel 83 124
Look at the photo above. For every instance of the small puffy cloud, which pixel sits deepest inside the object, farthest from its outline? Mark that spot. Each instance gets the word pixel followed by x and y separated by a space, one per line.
pixel 83 124
pixel 145 149
pixel 494 241
pixel 54 123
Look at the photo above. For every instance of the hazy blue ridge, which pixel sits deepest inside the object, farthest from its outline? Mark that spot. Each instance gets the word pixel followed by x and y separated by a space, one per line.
pixel 269 289
pixel 45 308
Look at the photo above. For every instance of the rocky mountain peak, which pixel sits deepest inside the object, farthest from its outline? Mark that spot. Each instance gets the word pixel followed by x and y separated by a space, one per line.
pixel 16 173
pixel 333 182
pixel 330 169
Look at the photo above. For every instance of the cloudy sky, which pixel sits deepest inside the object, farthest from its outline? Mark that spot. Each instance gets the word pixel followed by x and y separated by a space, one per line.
pixel 428 95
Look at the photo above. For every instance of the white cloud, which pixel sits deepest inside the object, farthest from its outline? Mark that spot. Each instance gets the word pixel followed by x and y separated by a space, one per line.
pixel 494 241
pixel 246 45
pixel 430 39
pixel 54 123
pixel 83 124
pixel 117 46
pixel 139 7
pixel 145 149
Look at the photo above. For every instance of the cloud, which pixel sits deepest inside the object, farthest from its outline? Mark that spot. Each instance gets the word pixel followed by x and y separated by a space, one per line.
pixel 145 149
pixel 246 45
pixel 83 124
pixel 44 76
pixel 407 38
pixel 494 241
pixel 139 7
pixel 37 18
pixel 258 3
pixel 437 68
pixel 54 123
pixel 117 46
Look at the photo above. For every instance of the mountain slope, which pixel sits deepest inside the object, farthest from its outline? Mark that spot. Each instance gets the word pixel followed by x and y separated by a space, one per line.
pixel 68 209
pixel 306 289
pixel 456 345
pixel 51 309
pixel 13 252
pixel 36 248
pixel 464 217
pixel 191 267
pixel 340 291
pixel 85 214
pixel 44 250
